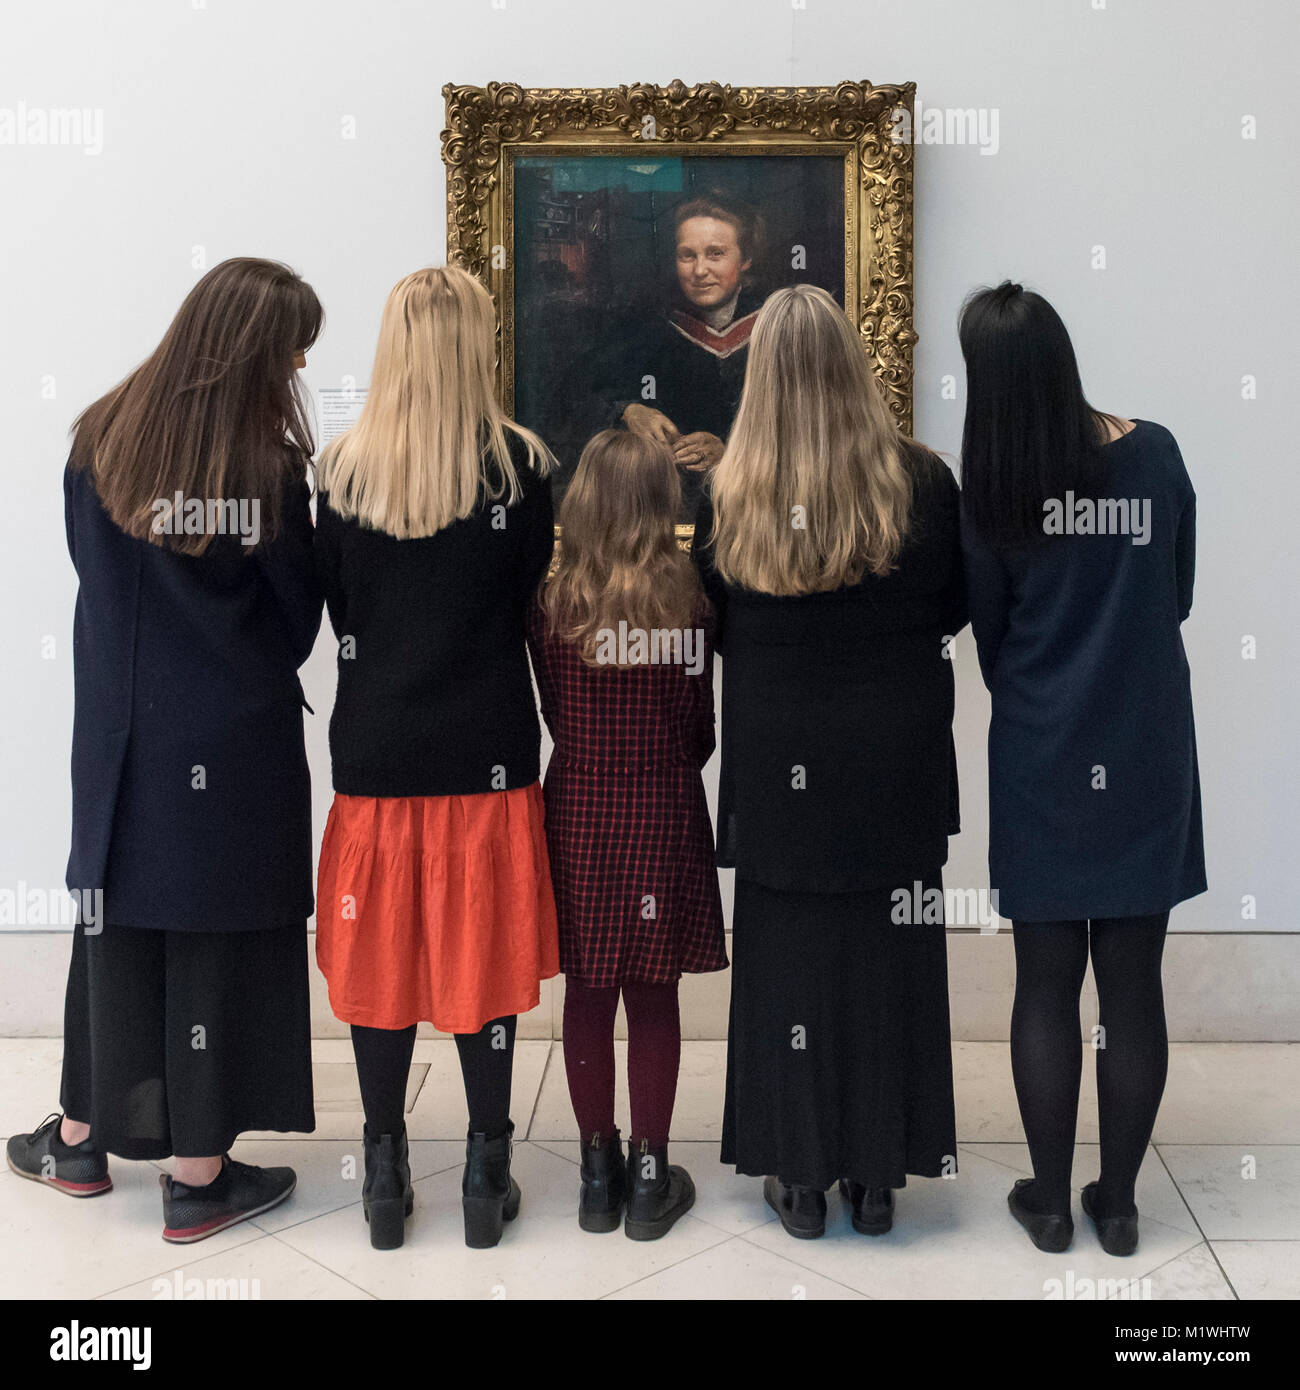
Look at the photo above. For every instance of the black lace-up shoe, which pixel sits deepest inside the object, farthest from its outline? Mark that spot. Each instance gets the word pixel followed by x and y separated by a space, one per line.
pixel 77 1169
pixel 239 1191
pixel 802 1209
pixel 872 1207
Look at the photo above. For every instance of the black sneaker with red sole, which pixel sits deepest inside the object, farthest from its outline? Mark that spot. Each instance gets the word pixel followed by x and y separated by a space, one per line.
pixel 239 1191
pixel 75 1169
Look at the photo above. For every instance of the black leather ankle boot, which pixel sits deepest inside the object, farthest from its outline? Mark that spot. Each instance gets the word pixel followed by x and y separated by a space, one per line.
pixel 604 1183
pixel 657 1192
pixel 489 1195
pixel 386 1194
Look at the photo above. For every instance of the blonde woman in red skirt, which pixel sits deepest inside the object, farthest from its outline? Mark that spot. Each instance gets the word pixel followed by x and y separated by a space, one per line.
pixel 434 529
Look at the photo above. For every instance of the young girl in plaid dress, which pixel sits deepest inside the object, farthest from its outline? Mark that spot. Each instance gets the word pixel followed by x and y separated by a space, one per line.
pixel 622 647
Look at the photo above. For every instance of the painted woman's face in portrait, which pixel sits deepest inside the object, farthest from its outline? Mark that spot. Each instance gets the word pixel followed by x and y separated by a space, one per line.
pixel 709 261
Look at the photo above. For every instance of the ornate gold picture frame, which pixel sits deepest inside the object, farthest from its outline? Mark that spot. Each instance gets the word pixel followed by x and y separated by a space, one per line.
pixel 504 143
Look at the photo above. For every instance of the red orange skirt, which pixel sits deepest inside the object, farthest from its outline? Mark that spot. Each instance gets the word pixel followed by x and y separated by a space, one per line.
pixel 435 909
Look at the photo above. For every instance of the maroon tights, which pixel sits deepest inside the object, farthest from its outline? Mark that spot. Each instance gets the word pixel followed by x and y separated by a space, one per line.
pixel 654 1051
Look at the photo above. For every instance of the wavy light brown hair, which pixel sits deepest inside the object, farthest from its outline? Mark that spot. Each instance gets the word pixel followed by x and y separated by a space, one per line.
pixel 217 410
pixel 813 443
pixel 619 559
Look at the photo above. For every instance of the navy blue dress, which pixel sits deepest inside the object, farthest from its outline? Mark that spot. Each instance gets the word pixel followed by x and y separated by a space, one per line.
pixel 1094 795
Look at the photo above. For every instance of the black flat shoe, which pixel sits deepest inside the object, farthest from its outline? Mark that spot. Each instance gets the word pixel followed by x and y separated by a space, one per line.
pixel 604 1185
pixel 1050 1233
pixel 75 1169
pixel 489 1195
pixel 872 1207
pixel 802 1209
pixel 239 1191
pixel 1118 1234
pixel 386 1195
pixel 658 1192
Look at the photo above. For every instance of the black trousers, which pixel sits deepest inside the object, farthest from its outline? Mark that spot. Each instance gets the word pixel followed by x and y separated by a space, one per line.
pixel 176 1042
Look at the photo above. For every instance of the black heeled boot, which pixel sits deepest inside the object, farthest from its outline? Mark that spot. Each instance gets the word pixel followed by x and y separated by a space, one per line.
pixel 802 1209
pixel 604 1184
pixel 489 1195
pixel 386 1194
pixel 872 1207
pixel 657 1192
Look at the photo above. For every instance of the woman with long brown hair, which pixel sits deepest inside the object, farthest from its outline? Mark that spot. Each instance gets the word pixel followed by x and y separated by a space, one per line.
pixel 622 647
pixel 830 548
pixel 188 521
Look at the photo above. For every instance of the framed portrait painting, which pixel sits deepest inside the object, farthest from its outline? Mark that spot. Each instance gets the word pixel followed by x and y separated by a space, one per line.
pixel 629 236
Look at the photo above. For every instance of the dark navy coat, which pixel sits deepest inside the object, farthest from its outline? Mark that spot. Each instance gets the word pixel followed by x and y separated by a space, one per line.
pixel 185 672
pixel 1081 648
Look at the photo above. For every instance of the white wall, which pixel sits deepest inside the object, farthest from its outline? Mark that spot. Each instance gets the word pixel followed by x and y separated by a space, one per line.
pixel 1118 126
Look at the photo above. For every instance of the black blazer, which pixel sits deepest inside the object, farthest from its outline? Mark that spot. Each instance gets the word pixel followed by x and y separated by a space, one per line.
pixel 854 688
pixel 191 802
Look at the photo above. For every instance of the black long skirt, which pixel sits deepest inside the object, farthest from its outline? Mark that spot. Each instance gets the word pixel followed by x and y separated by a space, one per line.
pixel 176 1042
pixel 839 1059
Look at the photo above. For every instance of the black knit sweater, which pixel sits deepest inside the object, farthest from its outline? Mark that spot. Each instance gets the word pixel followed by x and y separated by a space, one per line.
pixel 434 696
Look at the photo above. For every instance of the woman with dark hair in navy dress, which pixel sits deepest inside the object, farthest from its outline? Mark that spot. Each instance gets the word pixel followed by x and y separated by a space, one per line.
pixel 1079 537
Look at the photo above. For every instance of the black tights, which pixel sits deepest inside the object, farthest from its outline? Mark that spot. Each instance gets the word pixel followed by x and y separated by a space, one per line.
pixel 1047 1055
pixel 486 1061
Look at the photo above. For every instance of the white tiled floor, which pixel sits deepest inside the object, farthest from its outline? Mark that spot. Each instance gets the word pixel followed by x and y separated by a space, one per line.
pixel 1219 1195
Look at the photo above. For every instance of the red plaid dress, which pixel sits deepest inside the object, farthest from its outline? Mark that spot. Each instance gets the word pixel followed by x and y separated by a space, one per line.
pixel 627 824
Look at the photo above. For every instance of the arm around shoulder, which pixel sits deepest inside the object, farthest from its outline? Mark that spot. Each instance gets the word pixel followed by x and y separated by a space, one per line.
pixel 988 596
pixel 288 564
pixel 327 549
pixel 539 532
pixel 715 589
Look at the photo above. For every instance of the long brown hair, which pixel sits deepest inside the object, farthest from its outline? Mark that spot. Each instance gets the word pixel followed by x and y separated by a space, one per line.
pixel 619 560
pixel 217 410
pixel 811 492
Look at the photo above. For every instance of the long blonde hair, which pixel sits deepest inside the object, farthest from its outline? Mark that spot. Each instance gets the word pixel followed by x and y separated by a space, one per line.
pixel 431 440
pixel 811 491
pixel 619 559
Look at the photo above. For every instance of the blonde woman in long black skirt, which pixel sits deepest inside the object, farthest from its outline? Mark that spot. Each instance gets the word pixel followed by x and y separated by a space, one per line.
pixel 829 545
